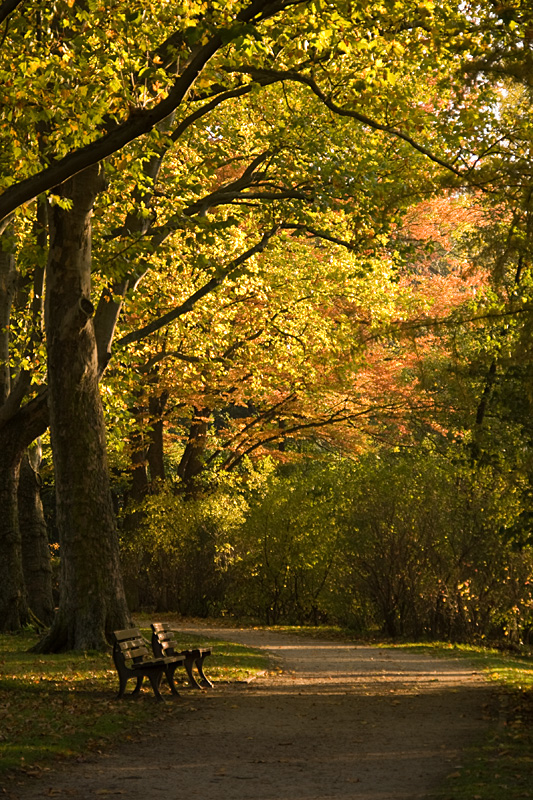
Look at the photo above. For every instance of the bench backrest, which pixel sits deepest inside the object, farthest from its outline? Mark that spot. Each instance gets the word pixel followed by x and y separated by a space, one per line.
pixel 164 642
pixel 130 645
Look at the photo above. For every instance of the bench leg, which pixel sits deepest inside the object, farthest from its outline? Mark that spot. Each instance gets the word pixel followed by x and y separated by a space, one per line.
pixel 169 673
pixel 137 689
pixel 123 679
pixel 189 663
pixel 205 682
pixel 155 680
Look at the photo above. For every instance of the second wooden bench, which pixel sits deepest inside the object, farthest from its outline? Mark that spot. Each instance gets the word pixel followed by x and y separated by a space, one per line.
pixel 165 645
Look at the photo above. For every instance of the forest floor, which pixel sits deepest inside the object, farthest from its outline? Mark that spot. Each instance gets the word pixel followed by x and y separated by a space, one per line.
pixel 330 720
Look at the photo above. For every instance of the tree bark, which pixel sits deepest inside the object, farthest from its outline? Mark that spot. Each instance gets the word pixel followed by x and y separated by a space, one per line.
pixel 92 602
pixel 19 426
pixel 139 475
pixel 15 436
pixel 8 275
pixel 156 451
pixel 14 610
pixel 192 461
pixel 36 561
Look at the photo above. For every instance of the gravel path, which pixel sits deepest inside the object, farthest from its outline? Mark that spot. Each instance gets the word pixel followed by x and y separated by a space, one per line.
pixel 340 721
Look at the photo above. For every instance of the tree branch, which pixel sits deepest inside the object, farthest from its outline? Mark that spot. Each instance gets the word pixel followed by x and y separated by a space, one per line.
pixel 139 121
pixel 7 8
pixel 290 75
pixel 15 397
pixel 284 433
pixel 207 288
pixel 230 191
pixel 316 233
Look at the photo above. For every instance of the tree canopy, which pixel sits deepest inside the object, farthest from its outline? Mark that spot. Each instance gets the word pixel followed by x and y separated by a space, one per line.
pixel 253 228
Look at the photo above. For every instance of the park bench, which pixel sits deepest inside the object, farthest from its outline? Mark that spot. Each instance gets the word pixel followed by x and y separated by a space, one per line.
pixel 165 645
pixel 133 660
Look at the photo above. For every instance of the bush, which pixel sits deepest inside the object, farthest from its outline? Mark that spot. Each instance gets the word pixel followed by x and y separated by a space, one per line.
pixel 289 548
pixel 409 545
pixel 425 545
pixel 179 555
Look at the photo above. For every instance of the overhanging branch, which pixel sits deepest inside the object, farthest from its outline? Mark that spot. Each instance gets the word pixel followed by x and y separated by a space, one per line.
pixel 140 121
pixel 7 8
pixel 284 433
pixel 291 75
pixel 207 288
pixel 317 233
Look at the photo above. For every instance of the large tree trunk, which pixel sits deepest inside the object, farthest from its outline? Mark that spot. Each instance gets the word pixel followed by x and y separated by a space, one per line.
pixel 36 559
pixel 92 602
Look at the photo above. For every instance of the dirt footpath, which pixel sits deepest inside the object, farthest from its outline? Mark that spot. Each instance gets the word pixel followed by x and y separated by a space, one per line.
pixel 341 721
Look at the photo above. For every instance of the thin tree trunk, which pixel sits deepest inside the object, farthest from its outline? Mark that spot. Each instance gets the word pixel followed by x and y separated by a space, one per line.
pixel 14 610
pixel 156 452
pixel 16 434
pixel 8 275
pixel 192 460
pixel 36 559
pixel 139 475
pixel 92 602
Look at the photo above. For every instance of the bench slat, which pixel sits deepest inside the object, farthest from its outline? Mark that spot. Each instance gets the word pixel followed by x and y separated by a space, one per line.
pixel 129 633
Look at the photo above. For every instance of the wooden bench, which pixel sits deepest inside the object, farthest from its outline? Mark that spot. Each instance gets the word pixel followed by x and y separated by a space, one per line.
pixel 165 645
pixel 133 659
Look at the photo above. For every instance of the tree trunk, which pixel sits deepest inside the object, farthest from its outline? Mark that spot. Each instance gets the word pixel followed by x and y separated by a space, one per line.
pixel 92 602
pixel 192 460
pixel 8 275
pixel 36 559
pixel 16 434
pixel 14 611
pixel 139 475
pixel 138 488
pixel 156 452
